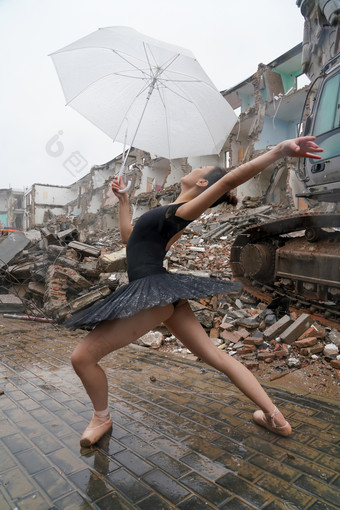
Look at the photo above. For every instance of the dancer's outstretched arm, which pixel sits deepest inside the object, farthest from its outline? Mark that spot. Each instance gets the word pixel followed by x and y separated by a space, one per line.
pixel 299 147
pixel 125 226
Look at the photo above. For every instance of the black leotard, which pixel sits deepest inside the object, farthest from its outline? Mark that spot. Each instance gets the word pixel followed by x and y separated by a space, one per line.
pixel 150 284
pixel 146 248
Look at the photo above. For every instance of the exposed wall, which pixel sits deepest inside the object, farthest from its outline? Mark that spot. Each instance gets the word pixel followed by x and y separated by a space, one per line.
pixel 12 208
pixel 45 198
pixel 271 106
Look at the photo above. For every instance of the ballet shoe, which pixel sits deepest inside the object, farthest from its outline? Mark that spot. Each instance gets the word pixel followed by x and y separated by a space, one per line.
pixel 91 435
pixel 267 420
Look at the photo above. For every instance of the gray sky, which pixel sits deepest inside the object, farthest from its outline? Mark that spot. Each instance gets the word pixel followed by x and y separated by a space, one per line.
pixel 39 135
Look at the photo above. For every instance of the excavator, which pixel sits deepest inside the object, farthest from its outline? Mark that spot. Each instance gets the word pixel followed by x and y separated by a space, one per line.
pixel 298 256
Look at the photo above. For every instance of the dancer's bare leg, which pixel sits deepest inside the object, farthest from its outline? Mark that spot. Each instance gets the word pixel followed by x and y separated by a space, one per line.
pixel 184 325
pixel 107 337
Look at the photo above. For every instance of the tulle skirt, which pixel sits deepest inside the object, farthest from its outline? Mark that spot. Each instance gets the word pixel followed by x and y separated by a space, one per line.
pixel 156 289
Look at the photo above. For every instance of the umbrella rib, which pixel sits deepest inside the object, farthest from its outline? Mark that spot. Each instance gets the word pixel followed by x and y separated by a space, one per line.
pixel 166 119
pixel 97 80
pixel 195 106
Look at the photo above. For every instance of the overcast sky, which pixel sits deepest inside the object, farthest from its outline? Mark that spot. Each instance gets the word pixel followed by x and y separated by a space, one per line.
pixel 39 134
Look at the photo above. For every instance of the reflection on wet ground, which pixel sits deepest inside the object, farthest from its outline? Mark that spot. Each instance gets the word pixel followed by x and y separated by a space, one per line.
pixel 182 435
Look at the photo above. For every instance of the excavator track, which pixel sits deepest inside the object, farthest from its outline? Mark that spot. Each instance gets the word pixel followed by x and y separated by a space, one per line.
pixel 255 260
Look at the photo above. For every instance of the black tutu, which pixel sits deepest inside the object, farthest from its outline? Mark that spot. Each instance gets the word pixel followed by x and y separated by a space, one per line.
pixel 156 289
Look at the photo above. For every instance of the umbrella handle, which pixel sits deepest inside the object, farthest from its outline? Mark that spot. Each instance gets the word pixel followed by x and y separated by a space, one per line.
pixel 128 186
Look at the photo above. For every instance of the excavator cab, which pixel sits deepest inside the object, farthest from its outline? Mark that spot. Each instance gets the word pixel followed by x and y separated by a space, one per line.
pixel 322 177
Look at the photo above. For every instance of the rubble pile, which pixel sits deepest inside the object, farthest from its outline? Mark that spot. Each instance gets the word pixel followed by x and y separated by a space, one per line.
pixel 56 275
pixel 52 275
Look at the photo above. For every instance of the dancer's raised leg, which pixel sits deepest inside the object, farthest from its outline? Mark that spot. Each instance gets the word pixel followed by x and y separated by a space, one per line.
pixel 184 325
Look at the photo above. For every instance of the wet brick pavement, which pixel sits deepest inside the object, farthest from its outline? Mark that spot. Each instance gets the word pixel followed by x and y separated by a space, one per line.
pixel 184 440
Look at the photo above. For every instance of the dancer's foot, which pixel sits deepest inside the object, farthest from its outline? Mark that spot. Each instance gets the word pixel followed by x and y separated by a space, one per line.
pixel 95 430
pixel 273 421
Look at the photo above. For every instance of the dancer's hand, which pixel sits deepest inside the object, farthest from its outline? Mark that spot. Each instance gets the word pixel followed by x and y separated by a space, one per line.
pixel 302 147
pixel 119 185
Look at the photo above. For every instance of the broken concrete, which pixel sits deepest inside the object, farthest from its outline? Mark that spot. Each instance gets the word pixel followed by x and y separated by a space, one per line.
pixel 296 329
pixel 111 262
pixel 11 246
pixel 84 249
pixel 10 304
pixel 276 329
pixel 82 302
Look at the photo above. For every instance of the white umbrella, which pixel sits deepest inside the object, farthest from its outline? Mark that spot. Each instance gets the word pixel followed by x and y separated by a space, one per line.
pixel 145 93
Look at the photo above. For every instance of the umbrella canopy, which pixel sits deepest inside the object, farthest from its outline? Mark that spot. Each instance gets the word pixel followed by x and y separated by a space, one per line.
pixel 145 93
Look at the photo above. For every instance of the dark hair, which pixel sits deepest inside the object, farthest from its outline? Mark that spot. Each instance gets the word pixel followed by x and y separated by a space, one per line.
pixel 215 175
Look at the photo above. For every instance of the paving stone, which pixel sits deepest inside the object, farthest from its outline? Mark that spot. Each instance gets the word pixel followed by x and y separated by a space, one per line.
pixel 237 504
pixel 3 503
pixel 16 443
pixel 114 501
pixel 65 461
pixel 47 443
pixel 208 490
pixel 267 448
pixel 7 461
pixel 318 489
pixel 99 462
pixel 6 428
pixel 171 447
pixel 32 461
pixel 211 470
pixel 155 502
pixel 171 466
pixel 166 486
pixel 194 503
pixel 247 491
pixel 128 485
pixel 16 483
pixel 34 501
pixel 73 501
pixel 298 448
pixel 133 463
pixel 90 484
pixel 54 484
pixel 284 490
pixel 319 505
pixel 233 447
pixel 206 448
pixel 275 467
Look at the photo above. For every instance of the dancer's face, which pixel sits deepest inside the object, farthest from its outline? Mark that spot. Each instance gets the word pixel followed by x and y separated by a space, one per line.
pixel 196 177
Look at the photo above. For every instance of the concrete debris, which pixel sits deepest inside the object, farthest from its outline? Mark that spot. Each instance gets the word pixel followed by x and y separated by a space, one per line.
pixel 277 328
pixel 85 249
pixel 66 236
pixel 334 337
pixel 330 350
pixel 112 262
pixel 10 303
pixel 293 363
pixel 296 329
pixel 153 339
pixel 11 246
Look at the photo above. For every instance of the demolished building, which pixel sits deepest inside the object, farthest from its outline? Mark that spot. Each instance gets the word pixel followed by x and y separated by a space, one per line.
pixel 270 103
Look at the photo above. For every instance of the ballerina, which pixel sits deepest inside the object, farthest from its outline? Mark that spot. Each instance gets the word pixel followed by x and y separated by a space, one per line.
pixel 153 296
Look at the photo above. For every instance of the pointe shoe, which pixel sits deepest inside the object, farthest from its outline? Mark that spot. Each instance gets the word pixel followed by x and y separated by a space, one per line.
pixel 92 434
pixel 267 420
